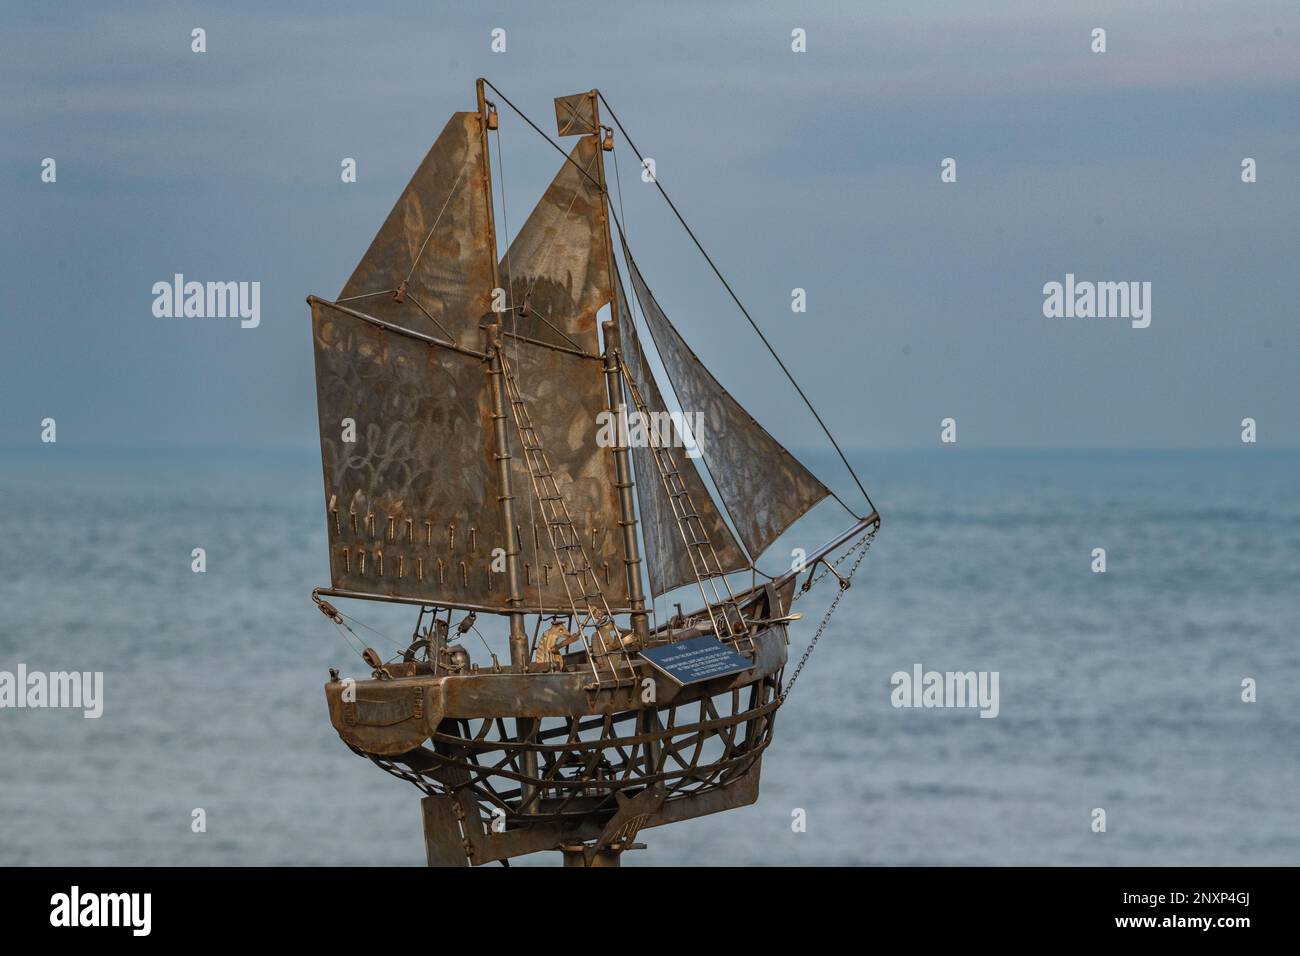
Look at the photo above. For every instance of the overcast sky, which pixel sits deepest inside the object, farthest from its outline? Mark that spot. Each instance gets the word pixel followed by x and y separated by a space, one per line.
pixel 818 170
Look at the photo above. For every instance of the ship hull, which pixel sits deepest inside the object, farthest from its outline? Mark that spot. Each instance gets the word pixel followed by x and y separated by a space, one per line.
pixel 513 762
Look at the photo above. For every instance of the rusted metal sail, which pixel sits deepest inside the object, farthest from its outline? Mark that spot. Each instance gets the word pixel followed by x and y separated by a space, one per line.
pixel 564 393
pixel 429 268
pixel 763 486
pixel 557 266
pixel 668 560
pixel 411 494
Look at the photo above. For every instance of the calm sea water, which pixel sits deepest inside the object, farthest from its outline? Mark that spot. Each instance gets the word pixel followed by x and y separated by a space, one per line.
pixel 1119 691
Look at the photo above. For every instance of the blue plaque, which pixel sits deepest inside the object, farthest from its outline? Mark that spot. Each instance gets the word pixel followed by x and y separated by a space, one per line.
pixel 695 660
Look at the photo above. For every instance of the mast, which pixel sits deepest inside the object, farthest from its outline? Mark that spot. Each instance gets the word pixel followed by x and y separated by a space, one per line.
pixel 627 516
pixel 524 727
pixel 492 333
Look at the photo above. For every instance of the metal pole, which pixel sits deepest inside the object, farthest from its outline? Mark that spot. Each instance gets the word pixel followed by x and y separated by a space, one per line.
pixel 525 727
pixel 614 385
pixel 518 634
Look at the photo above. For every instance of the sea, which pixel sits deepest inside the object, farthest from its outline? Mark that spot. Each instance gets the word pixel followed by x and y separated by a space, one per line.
pixel 1162 692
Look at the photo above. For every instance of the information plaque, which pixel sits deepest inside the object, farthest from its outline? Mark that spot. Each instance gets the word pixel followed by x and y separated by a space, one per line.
pixel 698 659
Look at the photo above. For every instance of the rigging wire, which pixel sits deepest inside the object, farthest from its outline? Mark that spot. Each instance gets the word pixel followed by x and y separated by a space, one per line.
pixel 524 116
pixel 618 221
pixel 712 265
pixel 364 295
pixel 634 304
pixel 445 203
pixel 488 647
pixel 430 316
pixel 735 298
pixel 366 626
pixel 726 508
pixel 618 185
pixel 341 626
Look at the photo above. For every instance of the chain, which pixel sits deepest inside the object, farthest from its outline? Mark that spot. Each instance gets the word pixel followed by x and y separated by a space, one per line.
pixel 865 545
pixel 808 585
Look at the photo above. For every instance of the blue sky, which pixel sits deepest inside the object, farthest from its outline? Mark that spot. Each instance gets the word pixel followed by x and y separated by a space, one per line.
pixel 818 170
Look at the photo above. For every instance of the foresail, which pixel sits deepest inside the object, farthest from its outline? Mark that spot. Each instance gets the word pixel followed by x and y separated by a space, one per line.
pixel 434 251
pixel 763 486
pixel 411 497
pixel 557 267
pixel 667 558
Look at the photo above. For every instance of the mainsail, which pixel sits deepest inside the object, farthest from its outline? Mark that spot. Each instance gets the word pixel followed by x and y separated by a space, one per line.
pixel 411 496
pixel 411 491
pixel 764 487
pixel 564 393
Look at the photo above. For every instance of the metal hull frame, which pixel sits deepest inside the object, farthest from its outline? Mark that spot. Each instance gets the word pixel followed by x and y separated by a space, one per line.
pixel 586 767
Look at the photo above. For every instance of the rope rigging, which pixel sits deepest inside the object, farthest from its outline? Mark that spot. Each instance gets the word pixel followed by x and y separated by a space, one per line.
pixel 745 312
pixel 865 542
pixel 712 265
pixel 609 661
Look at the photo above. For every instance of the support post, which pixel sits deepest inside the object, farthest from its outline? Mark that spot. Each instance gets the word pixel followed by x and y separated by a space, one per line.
pixel 443 843
pixel 575 856
pixel 589 854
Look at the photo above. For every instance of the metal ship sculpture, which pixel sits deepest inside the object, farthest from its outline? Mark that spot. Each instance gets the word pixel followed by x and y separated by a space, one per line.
pixel 464 475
